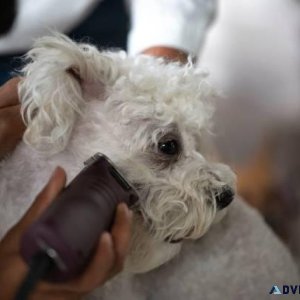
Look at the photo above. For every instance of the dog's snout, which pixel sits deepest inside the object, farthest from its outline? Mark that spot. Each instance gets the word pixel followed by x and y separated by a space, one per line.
pixel 224 198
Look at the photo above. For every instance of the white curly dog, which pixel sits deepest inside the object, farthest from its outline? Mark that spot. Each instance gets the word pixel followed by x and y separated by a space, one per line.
pixel 153 120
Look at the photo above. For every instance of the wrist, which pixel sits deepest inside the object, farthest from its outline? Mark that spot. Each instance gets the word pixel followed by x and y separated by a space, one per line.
pixel 170 54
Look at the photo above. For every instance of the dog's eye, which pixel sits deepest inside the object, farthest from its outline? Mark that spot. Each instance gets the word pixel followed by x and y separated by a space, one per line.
pixel 170 147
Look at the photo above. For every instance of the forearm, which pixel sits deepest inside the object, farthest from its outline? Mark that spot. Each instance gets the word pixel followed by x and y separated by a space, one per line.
pixel 169 54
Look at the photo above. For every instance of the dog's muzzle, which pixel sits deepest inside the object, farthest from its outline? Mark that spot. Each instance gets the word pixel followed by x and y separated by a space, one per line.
pixel 223 199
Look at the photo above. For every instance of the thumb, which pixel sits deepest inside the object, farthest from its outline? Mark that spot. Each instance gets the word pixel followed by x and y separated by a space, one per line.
pixel 54 186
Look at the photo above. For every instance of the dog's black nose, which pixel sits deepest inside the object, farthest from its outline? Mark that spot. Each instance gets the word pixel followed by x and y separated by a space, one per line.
pixel 224 198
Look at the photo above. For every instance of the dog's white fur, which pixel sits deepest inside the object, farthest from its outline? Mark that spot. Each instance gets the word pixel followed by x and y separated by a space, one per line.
pixel 77 101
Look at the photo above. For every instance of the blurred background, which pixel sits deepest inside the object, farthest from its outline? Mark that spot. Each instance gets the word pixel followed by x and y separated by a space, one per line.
pixel 101 22
pixel 253 55
pixel 252 52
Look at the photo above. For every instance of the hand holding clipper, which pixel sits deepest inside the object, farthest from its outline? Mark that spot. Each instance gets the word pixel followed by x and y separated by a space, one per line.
pixel 62 240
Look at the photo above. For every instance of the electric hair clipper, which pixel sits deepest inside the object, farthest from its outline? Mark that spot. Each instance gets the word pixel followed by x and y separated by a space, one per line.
pixel 69 230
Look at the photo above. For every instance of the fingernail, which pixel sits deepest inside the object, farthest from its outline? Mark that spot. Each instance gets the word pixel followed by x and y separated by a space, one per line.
pixel 56 171
pixel 105 238
pixel 122 207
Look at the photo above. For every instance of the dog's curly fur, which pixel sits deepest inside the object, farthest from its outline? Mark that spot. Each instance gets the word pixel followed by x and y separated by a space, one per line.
pixel 153 120
pixel 77 101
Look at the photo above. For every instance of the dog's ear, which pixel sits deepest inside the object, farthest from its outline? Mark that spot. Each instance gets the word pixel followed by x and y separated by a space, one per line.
pixel 59 78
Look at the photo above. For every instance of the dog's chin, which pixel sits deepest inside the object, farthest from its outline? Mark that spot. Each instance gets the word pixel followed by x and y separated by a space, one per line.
pixel 147 253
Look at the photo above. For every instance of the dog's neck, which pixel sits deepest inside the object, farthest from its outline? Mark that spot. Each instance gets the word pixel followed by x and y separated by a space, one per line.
pixel 146 253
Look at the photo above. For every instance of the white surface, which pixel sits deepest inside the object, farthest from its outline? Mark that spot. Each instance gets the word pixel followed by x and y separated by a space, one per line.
pixel 181 24
pixel 252 53
pixel 178 23
pixel 38 17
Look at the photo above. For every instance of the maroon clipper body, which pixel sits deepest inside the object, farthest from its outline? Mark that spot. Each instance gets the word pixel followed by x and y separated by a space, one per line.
pixel 69 230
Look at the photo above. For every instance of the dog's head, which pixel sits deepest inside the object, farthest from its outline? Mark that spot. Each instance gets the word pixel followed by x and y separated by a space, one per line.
pixel 151 118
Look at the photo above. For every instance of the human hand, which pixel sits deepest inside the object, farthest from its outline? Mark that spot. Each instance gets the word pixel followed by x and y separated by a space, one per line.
pixel 168 53
pixel 107 261
pixel 11 123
